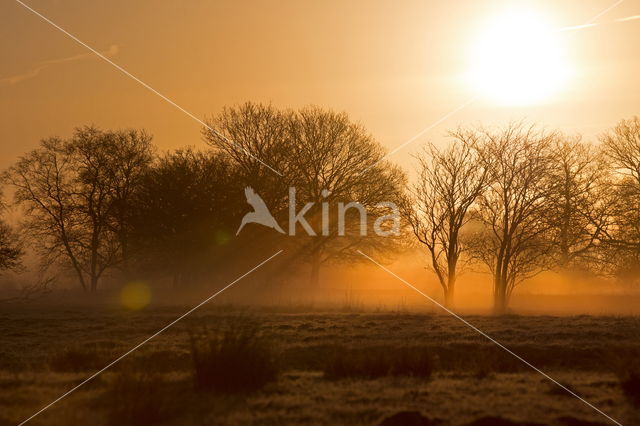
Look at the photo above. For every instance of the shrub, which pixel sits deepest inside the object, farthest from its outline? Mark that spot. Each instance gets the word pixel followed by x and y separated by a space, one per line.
pixel 135 398
pixel 371 363
pixel 232 358
pixel 630 383
pixel 626 365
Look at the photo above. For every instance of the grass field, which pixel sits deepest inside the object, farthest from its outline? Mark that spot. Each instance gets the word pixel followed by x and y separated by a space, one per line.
pixel 314 368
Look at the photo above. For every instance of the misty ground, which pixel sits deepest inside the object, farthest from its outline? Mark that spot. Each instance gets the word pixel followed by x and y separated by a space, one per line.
pixel 471 378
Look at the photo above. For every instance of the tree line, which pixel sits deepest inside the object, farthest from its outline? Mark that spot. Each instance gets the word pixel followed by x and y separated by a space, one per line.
pixel 520 200
pixel 515 200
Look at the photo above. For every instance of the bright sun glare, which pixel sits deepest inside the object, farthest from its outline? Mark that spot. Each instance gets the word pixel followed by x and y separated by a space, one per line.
pixel 518 59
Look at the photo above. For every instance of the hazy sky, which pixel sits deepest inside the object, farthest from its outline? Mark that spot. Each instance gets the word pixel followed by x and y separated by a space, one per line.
pixel 394 66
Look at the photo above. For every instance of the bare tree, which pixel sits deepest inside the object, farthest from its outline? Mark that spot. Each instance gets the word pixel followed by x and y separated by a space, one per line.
pixel 43 185
pixel 578 208
pixel 328 159
pixel 335 162
pixel 188 205
pixel 129 155
pixel 10 248
pixel 621 146
pixel 449 182
pixel 68 191
pixel 253 135
pixel 513 241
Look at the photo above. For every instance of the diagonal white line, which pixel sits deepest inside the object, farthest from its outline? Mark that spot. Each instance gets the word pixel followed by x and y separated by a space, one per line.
pixel 423 131
pixel 614 5
pixel 576 27
pixel 149 338
pixel 467 323
pixel 145 85
pixel 591 22
pixel 628 18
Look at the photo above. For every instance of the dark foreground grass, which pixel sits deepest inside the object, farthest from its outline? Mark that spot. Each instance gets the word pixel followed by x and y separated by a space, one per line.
pixel 628 372
pixel 631 386
pixel 235 357
pixel 75 359
pixel 331 368
pixel 137 397
pixel 371 363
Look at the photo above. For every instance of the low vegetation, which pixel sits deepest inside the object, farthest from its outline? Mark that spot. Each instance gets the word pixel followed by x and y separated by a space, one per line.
pixel 313 368
pixel 371 363
pixel 136 397
pixel 232 358
pixel 74 359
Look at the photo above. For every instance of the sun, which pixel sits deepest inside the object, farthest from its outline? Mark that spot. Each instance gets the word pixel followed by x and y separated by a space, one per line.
pixel 518 59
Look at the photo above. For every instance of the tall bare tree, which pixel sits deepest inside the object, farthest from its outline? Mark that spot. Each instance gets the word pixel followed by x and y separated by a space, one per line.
pixel 328 159
pixel 68 189
pixel 513 242
pixel 449 183
pixel 130 156
pixel 255 136
pixel 188 207
pixel 621 146
pixel 334 162
pixel 578 208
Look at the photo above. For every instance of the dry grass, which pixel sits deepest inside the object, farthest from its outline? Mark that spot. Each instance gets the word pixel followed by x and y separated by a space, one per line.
pixel 77 359
pixel 627 367
pixel 47 352
pixel 136 397
pixel 235 357
pixel 371 363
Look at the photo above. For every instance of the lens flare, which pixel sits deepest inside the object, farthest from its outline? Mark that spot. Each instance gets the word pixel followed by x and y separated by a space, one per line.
pixel 135 295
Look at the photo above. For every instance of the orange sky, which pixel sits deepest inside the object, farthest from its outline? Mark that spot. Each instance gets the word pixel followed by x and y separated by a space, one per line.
pixel 394 66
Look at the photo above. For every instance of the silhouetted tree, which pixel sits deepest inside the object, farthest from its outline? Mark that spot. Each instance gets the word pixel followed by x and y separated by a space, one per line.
pixel 257 139
pixel 578 208
pixel 188 207
pixel 11 250
pixel 328 159
pixel 131 156
pixel 513 241
pixel 335 162
pixel 449 182
pixel 621 146
pixel 69 190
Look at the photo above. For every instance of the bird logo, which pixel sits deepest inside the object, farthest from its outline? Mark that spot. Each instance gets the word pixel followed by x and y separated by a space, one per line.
pixel 260 214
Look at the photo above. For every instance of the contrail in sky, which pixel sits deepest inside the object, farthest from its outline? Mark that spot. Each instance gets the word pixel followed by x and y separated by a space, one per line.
pixel 581 27
pixel 35 70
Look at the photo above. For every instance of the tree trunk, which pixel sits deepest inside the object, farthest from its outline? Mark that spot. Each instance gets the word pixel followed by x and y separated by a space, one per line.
pixel 448 298
pixel 81 278
pixel 451 286
pixel 94 284
pixel 499 297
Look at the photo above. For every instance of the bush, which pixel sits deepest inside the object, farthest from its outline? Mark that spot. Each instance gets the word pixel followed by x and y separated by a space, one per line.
pixel 77 359
pixel 135 398
pixel 370 363
pixel 630 383
pixel 233 358
pixel 626 365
